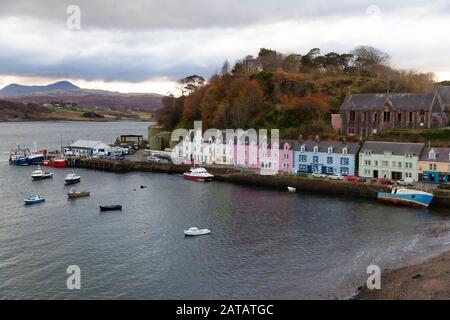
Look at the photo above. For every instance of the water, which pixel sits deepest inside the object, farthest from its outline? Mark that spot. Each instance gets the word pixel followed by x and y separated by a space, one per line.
pixel 264 244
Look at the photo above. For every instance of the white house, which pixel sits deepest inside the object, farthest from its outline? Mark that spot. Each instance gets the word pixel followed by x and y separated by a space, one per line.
pixel 89 147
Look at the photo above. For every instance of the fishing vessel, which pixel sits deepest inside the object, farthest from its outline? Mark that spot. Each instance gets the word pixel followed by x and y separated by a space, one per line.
pixel 196 232
pixel 18 157
pixel 34 200
pixel 406 197
pixel 56 163
pixel 72 178
pixel 198 174
pixel 35 156
pixel 40 174
pixel 77 194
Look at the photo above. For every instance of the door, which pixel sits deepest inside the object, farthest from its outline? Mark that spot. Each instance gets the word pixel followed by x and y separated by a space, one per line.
pixel 375 174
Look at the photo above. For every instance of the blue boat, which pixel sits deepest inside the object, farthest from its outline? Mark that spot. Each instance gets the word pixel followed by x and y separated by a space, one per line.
pixel 19 160
pixel 34 200
pixel 406 197
pixel 35 159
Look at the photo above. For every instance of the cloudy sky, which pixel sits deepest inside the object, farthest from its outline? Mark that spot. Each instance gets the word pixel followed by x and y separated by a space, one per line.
pixel 145 45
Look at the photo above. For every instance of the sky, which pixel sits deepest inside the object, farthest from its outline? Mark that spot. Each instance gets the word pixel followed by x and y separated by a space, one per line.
pixel 146 45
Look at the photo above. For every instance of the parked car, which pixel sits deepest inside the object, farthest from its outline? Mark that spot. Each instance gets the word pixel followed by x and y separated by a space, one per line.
pixel 317 175
pixel 154 159
pixel 406 182
pixel 385 181
pixel 353 179
pixel 302 174
pixel 336 177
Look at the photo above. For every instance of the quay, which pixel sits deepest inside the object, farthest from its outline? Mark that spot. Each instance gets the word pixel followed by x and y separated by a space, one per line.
pixel 233 175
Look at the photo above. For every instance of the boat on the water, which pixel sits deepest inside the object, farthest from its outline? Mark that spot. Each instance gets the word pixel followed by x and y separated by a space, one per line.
pixel 40 174
pixel 111 208
pixel 198 174
pixel 18 160
pixel 56 163
pixel 406 197
pixel 35 158
pixel 291 189
pixel 72 178
pixel 196 232
pixel 73 193
pixel 34 200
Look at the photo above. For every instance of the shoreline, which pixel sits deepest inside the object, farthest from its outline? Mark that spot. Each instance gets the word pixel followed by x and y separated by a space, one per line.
pixel 423 280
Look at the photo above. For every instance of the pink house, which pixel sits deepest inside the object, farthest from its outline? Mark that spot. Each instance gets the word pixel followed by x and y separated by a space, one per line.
pixel 286 157
pixel 246 155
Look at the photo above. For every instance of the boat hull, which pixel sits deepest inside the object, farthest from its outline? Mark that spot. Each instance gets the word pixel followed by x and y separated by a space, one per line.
pixel 30 202
pixel 20 162
pixel 72 181
pixel 197 233
pixel 56 163
pixel 410 200
pixel 35 159
pixel 80 194
pixel 197 178
pixel 44 177
pixel 110 208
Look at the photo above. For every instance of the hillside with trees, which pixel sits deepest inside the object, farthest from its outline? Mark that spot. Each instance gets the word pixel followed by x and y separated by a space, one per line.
pixel 293 92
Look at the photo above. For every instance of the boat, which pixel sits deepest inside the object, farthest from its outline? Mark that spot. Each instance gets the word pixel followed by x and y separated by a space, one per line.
pixel 34 200
pixel 72 178
pixel 40 174
pixel 291 189
pixel 18 157
pixel 198 174
pixel 196 232
pixel 406 197
pixel 143 187
pixel 77 194
pixel 56 163
pixel 111 208
pixel 35 158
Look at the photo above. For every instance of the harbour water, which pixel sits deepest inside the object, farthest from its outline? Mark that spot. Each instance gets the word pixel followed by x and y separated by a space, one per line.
pixel 264 244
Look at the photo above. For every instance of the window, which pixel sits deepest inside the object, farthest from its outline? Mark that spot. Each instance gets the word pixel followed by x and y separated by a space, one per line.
pixel 330 149
pixel 315 159
pixel 329 160
pixel 344 150
pixel 345 161
pixel 364 116
pixel 302 158
pixel 316 149
pixel 399 164
pixel 386 116
pixel 303 168
pixel 351 130
pixel 302 149
pixel 408 165
pixel 399 117
pixel 367 172
pixel 408 174
pixel 367 162
pixel 375 117
pixel 385 163
pixel 410 117
pixel 352 115
pixel 344 171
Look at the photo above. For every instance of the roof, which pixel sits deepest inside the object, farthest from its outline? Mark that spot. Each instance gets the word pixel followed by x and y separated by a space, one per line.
pixel 442 155
pixel 397 148
pixel 88 144
pixel 444 93
pixel 397 101
pixel 352 148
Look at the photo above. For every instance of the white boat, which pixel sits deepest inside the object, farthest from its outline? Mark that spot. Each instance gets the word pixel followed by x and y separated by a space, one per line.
pixel 72 178
pixel 406 197
pixel 198 174
pixel 196 232
pixel 291 189
pixel 40 174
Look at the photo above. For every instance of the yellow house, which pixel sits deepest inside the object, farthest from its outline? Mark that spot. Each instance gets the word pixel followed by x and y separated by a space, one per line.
pixel 434 165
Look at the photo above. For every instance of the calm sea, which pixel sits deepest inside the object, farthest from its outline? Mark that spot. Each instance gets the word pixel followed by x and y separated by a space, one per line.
pixel 264 244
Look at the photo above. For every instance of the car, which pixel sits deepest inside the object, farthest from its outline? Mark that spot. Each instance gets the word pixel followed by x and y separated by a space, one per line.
pixel 154 159
pixel 385 181
pixel 336 177
pixel 302 174
pixel 317 175
pixel 353 179
pixel 406 182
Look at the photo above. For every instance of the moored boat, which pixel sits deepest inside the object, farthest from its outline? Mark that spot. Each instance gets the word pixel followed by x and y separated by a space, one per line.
pixel 35 158
pixel 72 178
pixel 196 232
pixel 406 197
pixel 77 194
pixel 198 174
pixel 34 200
pixel 111 207
pixel 40 174
pixel 56 163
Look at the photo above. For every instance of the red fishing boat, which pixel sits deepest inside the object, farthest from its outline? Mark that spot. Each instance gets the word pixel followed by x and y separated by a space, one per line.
pixel 56 163
pixel 198 174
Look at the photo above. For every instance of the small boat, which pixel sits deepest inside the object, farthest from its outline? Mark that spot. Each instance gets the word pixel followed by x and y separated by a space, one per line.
pixel 143 187
pixel 406 197
pixel 198 174
pixel 196 232
pixel 40 174
pixel 77 194
pixel 291 189
pixel 72 178
pixel 34 200
pixel 111 208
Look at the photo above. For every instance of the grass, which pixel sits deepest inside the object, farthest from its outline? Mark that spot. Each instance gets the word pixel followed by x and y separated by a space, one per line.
pixel 437 137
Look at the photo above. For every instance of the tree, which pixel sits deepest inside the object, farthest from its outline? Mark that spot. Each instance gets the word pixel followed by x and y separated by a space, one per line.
pixel 367 58
pixel 190 84
pixel 225 68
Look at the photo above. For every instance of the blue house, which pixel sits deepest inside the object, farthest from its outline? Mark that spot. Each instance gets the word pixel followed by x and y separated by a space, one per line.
pixel 327 157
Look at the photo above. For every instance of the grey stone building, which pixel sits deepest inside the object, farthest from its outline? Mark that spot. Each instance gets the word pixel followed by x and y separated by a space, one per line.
pixel 370 114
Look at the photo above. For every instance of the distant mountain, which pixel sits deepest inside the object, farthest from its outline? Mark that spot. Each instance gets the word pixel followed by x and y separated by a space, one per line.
pixel 14 89
pixel 66 92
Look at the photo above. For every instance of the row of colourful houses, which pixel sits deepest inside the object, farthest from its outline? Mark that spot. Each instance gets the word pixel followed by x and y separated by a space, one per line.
pixel 372 159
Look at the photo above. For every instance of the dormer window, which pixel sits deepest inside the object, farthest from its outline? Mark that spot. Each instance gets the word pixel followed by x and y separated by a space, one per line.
pixel 302 149
pixel 344 150
pixel 330 150
pixel 316 149
pixel 432 154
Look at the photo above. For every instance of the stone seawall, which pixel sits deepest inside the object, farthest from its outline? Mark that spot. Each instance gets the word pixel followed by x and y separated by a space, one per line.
pixel 233 175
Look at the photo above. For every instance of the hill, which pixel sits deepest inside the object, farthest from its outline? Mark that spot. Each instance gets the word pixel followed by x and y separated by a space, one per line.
pixel 66 92
pixel 293 92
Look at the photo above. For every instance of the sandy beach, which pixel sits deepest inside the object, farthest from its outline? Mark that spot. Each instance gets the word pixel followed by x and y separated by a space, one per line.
pixel 429 280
